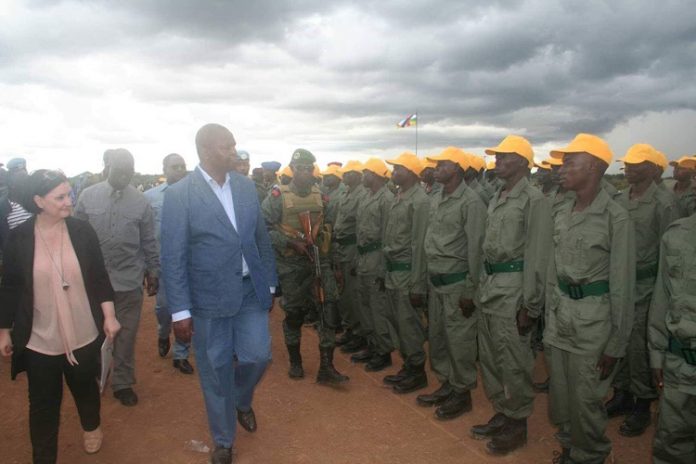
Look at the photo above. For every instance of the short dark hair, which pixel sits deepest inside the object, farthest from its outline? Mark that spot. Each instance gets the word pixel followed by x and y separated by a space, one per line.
pixel 40 182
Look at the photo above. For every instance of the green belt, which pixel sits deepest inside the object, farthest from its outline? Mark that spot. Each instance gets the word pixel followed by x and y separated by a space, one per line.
pixel 510 266
pixel 647 272
pixel 438 280
pixel 372 246
pixel 351 239
pixel 578 292
pixel 394 266
pixel 674 346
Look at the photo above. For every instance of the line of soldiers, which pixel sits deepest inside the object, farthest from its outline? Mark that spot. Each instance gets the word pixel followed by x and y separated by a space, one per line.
pixel 432 250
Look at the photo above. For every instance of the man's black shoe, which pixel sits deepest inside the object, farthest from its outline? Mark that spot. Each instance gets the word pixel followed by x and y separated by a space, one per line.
pixel 541 387
pixel 126 396
pixel 393 379
pixel 247 419
pixel 638 420
pixel 163 346
pixel 435 398
pixel 511 437
pixel 221 455
pixel 354 345
pixel 488 430
pixel 415 380
pixel 183 365
pixel 362 356
pixel 344 338
pixel 296 371
pixel 620 404
pixel 456 404
pixel 378 362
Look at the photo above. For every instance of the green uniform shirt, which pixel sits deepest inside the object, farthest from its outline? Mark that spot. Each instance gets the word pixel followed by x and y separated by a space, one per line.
pixel 333 203
pixel 518 228
pixel 432 190
pixel 596 244
pixel 261 191
pixel 404 238
pixel 609 188
pixel 673 307
pixel 481 191
pixel 345 224
pixel 371 222
pixel 455 235
pixel 650 214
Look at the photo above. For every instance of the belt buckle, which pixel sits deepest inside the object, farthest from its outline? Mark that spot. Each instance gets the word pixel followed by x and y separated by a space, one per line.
pixel 488 267
pixel 575 292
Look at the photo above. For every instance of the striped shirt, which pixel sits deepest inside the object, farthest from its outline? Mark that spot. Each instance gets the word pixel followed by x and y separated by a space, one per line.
pixel 17 215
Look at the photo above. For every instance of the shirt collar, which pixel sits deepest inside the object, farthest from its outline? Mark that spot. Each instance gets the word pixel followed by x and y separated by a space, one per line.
pixel 212 181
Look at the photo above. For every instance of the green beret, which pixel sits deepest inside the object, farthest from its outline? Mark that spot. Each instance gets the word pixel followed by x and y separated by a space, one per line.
pixel 302 156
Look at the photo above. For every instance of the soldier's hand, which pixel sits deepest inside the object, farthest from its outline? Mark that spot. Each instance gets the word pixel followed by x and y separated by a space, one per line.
pixel 300 247
pixel 416 299
pixel 340 281
pixel 524 321
pixel 467 307
pixel 605 365
pixel 151 285
pixel 183 330
pixel 658 376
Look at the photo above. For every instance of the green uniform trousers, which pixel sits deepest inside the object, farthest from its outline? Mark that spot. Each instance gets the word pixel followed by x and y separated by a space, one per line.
pixel 296 275
pixel 634 373
pixel 409 326
pixel 349 305
pixel 675 436
pixel 452 338
pixel 506 361
pixel 577 404
pixel 378 328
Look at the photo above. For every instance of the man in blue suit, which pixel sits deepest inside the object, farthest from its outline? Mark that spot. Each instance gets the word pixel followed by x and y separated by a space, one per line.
pixel 221 274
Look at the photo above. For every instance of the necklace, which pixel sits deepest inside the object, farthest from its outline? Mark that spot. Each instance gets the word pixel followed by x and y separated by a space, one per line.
pixel 63 282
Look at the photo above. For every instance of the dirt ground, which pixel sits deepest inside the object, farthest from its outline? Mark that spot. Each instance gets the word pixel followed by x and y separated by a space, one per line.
pixel 299 421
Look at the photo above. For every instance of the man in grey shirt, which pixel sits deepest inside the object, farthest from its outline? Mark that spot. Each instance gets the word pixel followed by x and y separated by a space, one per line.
pixel 174 169
pixel 125 225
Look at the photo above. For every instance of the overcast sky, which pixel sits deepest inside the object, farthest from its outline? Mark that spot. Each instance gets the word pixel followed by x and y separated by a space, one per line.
pixel 77 77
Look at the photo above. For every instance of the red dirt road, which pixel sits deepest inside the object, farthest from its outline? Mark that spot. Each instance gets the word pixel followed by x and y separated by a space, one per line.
pixel 299 421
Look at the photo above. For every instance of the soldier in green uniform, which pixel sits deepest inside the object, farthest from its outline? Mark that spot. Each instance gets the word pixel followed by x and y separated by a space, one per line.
pixel 453 249
pixel 515 250
pixel 332 187
pixel 683 187
pixel 651 210
pixel 378 328
pixel 472 178
pixel 589 303
pixel 345 254
pixel 406 277
pixel 296 269
pixel 672 344
pixel 261 190
pixel 427 177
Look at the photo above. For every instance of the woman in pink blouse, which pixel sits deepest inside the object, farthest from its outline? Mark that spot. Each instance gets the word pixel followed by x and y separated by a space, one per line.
pixel 56 307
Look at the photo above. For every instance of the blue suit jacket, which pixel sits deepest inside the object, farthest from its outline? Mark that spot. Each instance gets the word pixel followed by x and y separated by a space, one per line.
pixel 201 252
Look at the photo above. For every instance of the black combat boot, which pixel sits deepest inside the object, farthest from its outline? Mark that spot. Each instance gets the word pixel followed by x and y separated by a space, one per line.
pixel 328 375
pixel 488 430
pixel 415 380
pixel 362 356
pixel 344 338
pixel 378 362
pixel 638 420
pixel 620 404
pixel 354 345
pixel 296 371
pixel 511 437
pixel 435 398
pixel 456 404
pixel 393 379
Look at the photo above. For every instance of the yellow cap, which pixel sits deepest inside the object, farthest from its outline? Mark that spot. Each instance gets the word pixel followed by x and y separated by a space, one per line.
pixel 586 143
pixel 543 165
pixel 641 152
pixel 490 165
pixel 352 165
pixel 286 172
pixel 428 163
pixel 663 160
pixel 453 154
pixel 376 166
pixel 409 161
pixel 333 170
pixel 514 144
pixel 476 162
pixel 684 162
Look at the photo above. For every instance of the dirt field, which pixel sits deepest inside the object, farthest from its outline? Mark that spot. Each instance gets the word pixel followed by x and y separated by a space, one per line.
pixel 299 421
